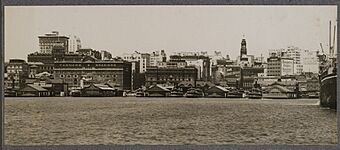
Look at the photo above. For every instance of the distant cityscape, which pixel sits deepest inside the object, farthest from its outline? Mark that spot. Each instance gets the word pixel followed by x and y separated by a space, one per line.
pixel 62 66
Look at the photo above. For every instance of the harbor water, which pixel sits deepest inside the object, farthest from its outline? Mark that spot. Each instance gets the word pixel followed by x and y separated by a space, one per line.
pixel 142 120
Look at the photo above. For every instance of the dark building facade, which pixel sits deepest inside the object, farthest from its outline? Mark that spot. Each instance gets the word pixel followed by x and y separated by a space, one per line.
pixel 17 73
pixel 243 48
pixel 248 75
pixel 201 62
pixel 170 75
pixel 114 72
pixel 49 59
pixel 50 40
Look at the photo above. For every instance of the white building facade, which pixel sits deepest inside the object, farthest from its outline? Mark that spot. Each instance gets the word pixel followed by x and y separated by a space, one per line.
pixel 74 43
pixel 142 58
pixel 156 57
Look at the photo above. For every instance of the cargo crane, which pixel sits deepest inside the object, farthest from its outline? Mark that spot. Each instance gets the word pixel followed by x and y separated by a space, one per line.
pixel 321 48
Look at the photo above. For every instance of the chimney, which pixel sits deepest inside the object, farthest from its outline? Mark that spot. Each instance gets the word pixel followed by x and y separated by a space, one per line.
pixel 82 83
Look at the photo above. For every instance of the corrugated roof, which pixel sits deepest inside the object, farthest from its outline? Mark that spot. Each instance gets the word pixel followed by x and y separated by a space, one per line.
pixel 160 87
pixel 281 88
pixel 222 88
pixel 38 88
pixel 103 87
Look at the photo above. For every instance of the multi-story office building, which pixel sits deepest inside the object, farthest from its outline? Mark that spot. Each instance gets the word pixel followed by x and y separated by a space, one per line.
pixel 50 40
pixel 226 75
pixel 200 62
pixel 172 63
pixel 309 61
pixel 290 52
pixel 280 66
pixel 169 75
pixel 142 58
pixel 113 72
pixel 156 57
pixel 74 43
pixel 17 73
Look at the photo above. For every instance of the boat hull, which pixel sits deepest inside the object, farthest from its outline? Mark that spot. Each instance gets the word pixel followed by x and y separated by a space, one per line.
pixel 328 91
pixel 255 96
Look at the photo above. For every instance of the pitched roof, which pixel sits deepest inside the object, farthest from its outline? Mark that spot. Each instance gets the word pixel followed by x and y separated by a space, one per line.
pixel 155 88
pixel 103 87
pixel 36 87
pixel 281 88
pixel 218 88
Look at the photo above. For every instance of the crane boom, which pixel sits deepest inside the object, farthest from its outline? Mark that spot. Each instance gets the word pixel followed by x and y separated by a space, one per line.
pixel 333 47
pixel 321 47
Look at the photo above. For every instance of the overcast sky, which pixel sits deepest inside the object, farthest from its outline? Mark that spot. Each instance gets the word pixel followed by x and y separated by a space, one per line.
pixel 121 29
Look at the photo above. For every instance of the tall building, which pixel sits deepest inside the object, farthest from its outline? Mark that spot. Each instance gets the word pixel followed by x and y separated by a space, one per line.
pixel 280 66
pixel 17 73
pixel 50 40
pixel 74 43
pixel 200 62
pixel 157 56
pixel 142 58
pixel 243 47
pixel 310 61
pixel 290 52
pixel 245 60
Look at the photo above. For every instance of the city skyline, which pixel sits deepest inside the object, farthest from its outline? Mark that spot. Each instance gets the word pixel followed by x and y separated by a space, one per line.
pixel 183 28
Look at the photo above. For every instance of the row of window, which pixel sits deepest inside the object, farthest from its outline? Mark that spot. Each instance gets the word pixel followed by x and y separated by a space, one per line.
pixel 164 79
pixel 76 76
pixel 80 65
pixel 14 66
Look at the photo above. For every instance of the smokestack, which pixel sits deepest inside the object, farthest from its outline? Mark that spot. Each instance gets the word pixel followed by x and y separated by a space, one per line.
pixel 82 83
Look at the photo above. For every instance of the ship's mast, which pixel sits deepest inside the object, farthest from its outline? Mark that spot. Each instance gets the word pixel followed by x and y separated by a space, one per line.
pixel 333 46
pixel 330 38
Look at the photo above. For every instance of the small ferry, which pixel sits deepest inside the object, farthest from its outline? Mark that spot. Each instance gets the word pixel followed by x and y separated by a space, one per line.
pixel 176 92
pixel 140 94
pixel 255 93
pixel 194 93
pixel 236 93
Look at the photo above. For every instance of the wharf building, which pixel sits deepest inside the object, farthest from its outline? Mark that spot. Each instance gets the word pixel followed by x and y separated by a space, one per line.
pixel 172 72
pixel 116 73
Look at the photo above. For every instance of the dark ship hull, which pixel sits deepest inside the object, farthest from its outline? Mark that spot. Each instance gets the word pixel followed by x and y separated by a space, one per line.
pixel 328 90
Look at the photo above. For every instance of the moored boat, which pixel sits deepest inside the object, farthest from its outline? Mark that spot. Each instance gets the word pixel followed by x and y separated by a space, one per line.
pixel 175 92
pixel 140 93
pixel 255 93
pixel 194 93
pixel 236 93
pixel 328 76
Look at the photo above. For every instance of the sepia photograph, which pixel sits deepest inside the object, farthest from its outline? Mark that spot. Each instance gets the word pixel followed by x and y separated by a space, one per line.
pixel 170 75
